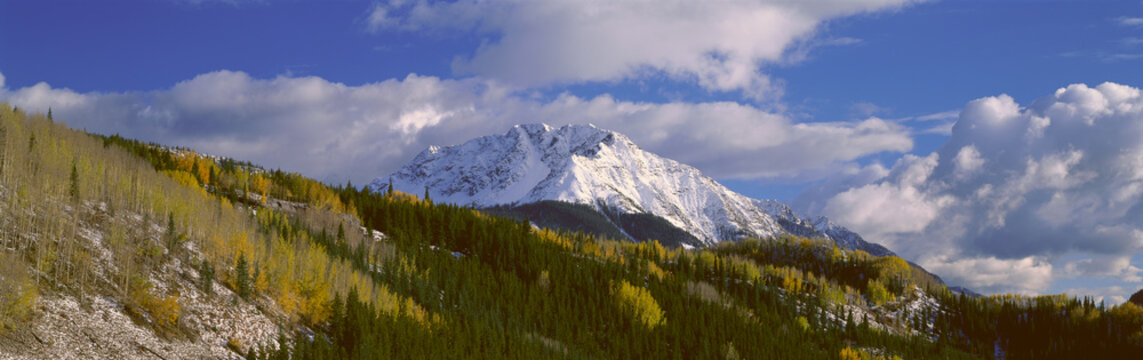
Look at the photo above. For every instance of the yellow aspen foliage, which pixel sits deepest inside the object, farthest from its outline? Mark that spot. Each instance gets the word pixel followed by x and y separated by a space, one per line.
pixel 414 311
pixel 878 295
pixel 18 299
pixel 656 250
pixel 639 303
pixel 240 244
pixel 894 270
pixel 288 300
pixel 165 310
pixel 260 185
pixel 831 294
pixel 792 282
pixel 591 249
pixel 203 168
pixel 183 178
pixel 185 161
pixel 849 353
pixel 386 301
pixel 1131 317
pixel 551 237
pixel 744 268
pixel 242 179
pixel 313 286
pixel 405 197
pixel 262 282
pixel 803 323
pixel 653 269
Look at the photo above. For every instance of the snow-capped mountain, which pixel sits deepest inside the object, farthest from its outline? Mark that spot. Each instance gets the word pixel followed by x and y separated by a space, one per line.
pixel 602 169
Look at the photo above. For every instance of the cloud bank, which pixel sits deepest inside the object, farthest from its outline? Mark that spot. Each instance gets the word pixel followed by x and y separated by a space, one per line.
pixel 538 43
pixel 1018 197
pixel 335 132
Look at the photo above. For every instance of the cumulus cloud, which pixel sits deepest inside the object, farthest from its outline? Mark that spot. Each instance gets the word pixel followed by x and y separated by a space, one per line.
pixel 967 161
pixel 536 43
pixel 1103 266
pixel 897 206
pixel 1018 185
pixel 1028 275
pixel 335 132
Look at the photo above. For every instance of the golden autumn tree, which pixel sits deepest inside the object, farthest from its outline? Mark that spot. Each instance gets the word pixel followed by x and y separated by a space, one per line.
pixel 640 304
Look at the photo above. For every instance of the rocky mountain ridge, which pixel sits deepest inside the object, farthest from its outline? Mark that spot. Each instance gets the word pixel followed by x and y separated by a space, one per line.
pixel 605 170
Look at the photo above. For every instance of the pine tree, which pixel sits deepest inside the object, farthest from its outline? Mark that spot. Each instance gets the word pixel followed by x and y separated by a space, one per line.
pixel 172 237
pixel 242 277
pixel 206 276
pixel 74 188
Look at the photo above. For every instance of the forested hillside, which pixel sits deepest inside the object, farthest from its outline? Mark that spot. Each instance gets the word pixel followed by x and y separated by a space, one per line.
pixel 171 238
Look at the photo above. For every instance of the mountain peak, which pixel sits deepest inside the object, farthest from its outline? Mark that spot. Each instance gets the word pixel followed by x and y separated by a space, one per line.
pixel 605 170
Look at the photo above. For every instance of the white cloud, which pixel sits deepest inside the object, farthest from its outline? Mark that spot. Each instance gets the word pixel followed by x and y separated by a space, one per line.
pixel 967 161
pixel 1131 41
pixel 865 109
pixel 1103 266
pixel 411 122
pixel 1029 275
pixel 335 132
pixel 538 43
pixel 901 205
pixel 1129 21
pixel 1058 178
pixel 944 115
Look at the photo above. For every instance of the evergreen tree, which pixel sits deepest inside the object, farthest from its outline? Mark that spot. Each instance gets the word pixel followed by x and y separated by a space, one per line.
pixel 242 277
pixel 172 236
pixel 206 277
pixel 73 190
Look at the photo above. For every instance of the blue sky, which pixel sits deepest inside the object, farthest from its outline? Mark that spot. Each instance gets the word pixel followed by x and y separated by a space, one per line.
pixel 835 107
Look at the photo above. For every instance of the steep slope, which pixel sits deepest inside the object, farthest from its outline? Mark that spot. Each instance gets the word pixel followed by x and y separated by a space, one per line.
pixel 583 164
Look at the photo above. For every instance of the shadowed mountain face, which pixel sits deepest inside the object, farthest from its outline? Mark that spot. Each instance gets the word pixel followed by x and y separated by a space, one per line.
pixel 1137 298
pixel 631 193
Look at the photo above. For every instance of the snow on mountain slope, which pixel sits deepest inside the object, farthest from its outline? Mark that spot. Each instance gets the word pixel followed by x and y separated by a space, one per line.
pixel 603 169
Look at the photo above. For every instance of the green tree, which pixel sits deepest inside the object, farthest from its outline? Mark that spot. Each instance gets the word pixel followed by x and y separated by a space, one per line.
pixel 73 190
pixel 206 277
pixel 242 277
pixel 172 236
